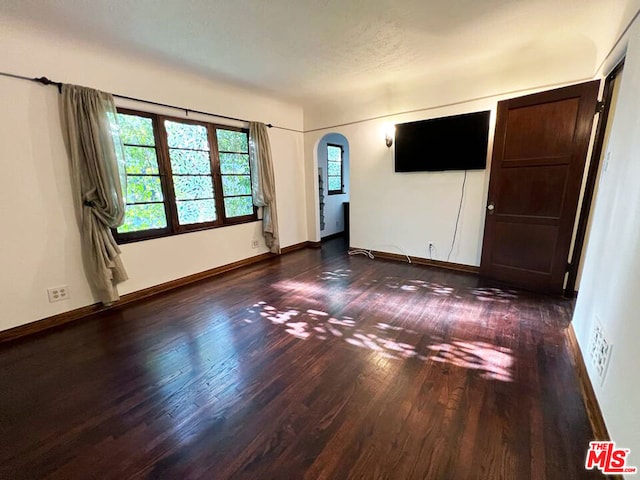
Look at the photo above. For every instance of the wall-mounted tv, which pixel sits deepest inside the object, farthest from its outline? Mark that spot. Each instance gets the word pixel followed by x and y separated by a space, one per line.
pixel 448 143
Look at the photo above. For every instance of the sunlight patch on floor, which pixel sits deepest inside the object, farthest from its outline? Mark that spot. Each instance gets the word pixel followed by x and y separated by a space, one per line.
pixel 494 363
pixel 397 283
pixel 314 291
pixel 484 294
pixel 337 274
pixel 490 361
pixel 493 294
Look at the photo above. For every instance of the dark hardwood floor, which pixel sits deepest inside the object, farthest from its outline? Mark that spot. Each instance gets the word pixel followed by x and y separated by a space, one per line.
pixel 315 365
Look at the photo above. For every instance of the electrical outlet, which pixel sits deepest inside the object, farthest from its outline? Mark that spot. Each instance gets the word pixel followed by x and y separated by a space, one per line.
pixel 254 243
pixel 599 350
pixel 57 294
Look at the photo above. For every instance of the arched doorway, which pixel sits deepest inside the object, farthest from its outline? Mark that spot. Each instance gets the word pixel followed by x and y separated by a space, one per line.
pixel 333 182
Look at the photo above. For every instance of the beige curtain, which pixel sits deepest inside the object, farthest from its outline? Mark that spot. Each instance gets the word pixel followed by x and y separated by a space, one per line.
pixel 97 179
pixel 263 185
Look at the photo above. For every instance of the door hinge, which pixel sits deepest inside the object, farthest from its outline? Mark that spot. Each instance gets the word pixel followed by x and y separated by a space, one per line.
pixel 568 266
pixel 599 107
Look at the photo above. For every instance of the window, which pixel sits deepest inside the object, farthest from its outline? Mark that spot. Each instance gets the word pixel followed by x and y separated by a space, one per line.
pixel 182 176
pixel 334 169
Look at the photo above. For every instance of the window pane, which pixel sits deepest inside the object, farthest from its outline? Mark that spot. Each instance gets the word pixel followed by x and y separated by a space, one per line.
pixel 236 185
pixel 334 169
pixel 334 183
pixel 143 189
pixel 136 130
pixel 186 135
pixel 191 187
pixel 238 206
pixel 190 161
pixel 141 160
pixel 196 211
pixel 234 163
pixel 232 141
pixel 334 154
pixel 143 217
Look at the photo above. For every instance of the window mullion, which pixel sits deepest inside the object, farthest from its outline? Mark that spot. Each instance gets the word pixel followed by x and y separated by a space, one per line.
pixel 165 162
pixel 216 173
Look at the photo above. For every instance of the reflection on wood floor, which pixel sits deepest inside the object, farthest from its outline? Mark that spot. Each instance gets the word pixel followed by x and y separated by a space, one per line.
pixel 313 365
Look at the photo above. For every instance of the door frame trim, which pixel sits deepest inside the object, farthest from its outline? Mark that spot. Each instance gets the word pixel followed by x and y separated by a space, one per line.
pixel 592 175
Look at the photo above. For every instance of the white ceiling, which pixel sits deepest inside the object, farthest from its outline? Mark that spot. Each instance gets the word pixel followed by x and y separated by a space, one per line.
pixel 303 50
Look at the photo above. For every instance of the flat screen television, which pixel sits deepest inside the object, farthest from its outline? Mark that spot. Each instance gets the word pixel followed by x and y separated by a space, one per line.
pixel 448 143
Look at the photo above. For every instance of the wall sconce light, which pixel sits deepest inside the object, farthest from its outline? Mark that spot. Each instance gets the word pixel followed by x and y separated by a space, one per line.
pixel 389 134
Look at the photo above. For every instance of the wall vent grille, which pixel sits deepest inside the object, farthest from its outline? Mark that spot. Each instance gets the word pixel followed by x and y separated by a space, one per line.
pixel 599 350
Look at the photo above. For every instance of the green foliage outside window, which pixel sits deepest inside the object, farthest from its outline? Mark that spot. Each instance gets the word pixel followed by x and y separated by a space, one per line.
pixel 144 217
pixel 233 185
pixel 184 162
pixel 141 160
pixel 232 141
pixel 186 135
pixel 237 206
pixel 135 130
pixel 235 169
pixel 143 189
pixel 144 209
pixel 196 211
pixel 190 179
pixel 234 163
pixel 191 187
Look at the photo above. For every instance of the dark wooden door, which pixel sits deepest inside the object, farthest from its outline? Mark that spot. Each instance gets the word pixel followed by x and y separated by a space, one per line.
pixel 539 154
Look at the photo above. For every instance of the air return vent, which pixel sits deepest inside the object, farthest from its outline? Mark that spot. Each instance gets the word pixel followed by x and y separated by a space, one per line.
pixel 599 350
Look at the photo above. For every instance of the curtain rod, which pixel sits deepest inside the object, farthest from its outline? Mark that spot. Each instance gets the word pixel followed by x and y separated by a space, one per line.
pixel 47 81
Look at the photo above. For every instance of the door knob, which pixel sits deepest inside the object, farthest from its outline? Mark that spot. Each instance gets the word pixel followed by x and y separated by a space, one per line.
pixel 491 207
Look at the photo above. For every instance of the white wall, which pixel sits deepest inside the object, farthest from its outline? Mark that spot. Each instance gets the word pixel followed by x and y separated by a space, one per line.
pixel 510 75
pixel 611 277
pixel 333 209
pixel 40 241
pixel 402 212
pixel 607 136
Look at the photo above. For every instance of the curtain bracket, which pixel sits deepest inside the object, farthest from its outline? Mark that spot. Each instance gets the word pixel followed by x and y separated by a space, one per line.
pixel 46 81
